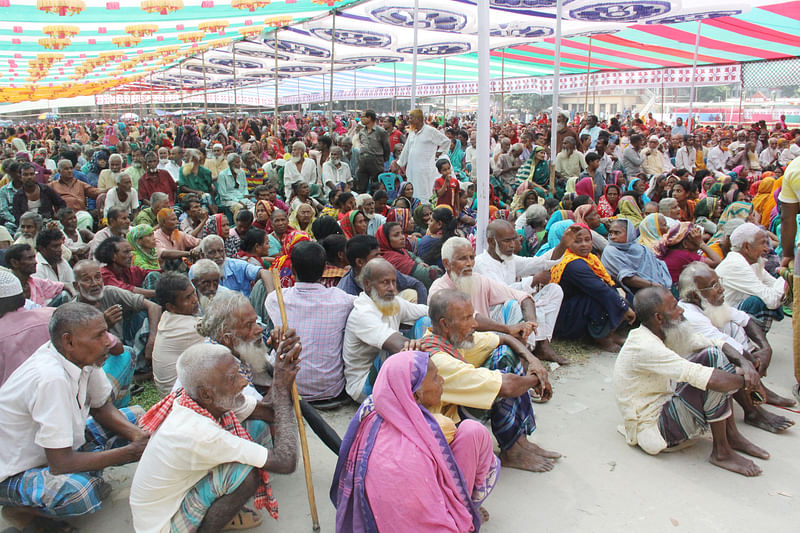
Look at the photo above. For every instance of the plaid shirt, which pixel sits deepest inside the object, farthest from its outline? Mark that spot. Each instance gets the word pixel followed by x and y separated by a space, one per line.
pixel 319 314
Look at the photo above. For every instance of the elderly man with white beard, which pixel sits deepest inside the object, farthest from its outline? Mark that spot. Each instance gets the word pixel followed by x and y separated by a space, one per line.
pixel 705 309
pixel 500 263
pixel 372 332
pixel 498 307
pixel 205 276
pixel 749 287
pixel 237 275
pixel 672 384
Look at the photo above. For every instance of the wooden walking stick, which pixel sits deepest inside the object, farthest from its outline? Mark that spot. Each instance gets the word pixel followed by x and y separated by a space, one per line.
pixel 312 502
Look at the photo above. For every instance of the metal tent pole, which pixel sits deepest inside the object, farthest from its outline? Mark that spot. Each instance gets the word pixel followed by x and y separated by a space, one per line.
pixel 503 85
pixel 414 58
pixel 588 67
pixel 394 93
pixel 275 78
pixel 484 117
pixel 180 88
pixel 444 89
pixel 691 124
pixel 355 104
pixel 333 67
pixel 554 115
pixel 235 99
pixel 205 87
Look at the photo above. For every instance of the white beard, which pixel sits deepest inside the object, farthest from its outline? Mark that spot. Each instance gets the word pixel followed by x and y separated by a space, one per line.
pixel 296 159
pixel 719 315
pixel 387 307
pixel 369 216
pixel 503 258
pixel 137 164
pixel 204 300
pixel 253 353
pixel 677 337
pixel 163 161
pixel 464 283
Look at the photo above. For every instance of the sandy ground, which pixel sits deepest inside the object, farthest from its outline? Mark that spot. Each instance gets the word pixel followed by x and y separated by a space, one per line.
pixel 601 484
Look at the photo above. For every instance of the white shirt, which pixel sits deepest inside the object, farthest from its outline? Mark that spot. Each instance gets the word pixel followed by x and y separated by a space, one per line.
pixel 516 273
pixel 308 174
pixel 180 454
pixel 767 156
pixel 112 200
pixel 336 175
pixel 173 169
pixel 419 159
pixel 46 271
pixel 741 280
pixel 44 405
pixel 366 331
pixel 686 158
pixel 175 333
pixel 717 159
pixel 732 333
pixel 644 379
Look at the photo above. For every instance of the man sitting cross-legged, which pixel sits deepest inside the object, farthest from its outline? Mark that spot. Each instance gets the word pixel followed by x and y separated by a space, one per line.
pixel 51 452
pixel 488 371
pixel 671 384
pixel 372 332
pixel 703 304
pixel 499 307
pixel 319 314
pixel 202 465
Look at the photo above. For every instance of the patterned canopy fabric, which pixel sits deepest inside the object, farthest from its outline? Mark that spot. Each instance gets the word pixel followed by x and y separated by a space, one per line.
pixel 120 44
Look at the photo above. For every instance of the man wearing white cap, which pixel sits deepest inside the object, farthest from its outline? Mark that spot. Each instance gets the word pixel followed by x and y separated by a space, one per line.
pixel 22 331
pixel 653 163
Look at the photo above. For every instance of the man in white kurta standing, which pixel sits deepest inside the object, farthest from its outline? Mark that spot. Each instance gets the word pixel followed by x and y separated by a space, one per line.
pixel 418 157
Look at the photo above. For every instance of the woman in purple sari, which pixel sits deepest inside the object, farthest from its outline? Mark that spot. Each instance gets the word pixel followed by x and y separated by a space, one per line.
pixel 394 443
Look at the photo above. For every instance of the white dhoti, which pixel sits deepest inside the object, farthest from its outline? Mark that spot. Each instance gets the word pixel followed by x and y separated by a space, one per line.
pixel 548 303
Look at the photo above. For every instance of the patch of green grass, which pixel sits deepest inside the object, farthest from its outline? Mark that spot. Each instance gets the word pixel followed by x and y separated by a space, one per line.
pixel 148 397
pixel 576 351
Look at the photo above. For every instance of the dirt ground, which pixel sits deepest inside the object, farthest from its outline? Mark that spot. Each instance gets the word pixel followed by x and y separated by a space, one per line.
pixel 600 485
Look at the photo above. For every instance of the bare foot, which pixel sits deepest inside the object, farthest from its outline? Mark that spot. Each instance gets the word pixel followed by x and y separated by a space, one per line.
pixel 775 399
pixel 545 352
pixel 525 460
pixel 735 463
pixel 741 444
pixel 484 514
pixel 538 450
pixel 761 418
pixel 607 344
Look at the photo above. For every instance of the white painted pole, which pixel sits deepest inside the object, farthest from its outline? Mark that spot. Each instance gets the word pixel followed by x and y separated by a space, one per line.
pixel 556 77
pixel 414 58
pixel 694 75
pixel 484 118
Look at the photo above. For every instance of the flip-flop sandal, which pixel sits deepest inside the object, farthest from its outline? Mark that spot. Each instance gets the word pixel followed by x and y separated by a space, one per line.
pixel 244 519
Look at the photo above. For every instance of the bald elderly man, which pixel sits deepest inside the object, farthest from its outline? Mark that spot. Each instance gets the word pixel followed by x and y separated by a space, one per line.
pixel 202 465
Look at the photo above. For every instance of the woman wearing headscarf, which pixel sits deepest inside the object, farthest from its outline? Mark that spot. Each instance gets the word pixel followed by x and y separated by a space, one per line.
pixel 592 306
pixel 554 236
pixel 262 213
pixel 92 171
pixel 742 210
pixel 354 223
pixel 219 225
pixel 392 243
pixel 709 208
pixel 607 205
pixel 763 201
pixel 535 172
pixel 394 441
pixel 143 247
pixel 456 157
pixel 422 217
pixel 533 231
pixel 406 190
pixel 706 185
pixel 402 216
pixel 629 208
pixel 681 246
pixel 302 219
pixel 639 185
pixel 283 264
pixel 585 187
pixel 651 229
pixel 588 216
pixel 631 264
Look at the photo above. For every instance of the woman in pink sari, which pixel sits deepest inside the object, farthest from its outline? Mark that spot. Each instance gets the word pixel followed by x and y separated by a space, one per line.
pixel 395 444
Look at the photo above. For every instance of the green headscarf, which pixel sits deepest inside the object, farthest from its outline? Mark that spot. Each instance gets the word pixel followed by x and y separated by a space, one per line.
pixel 142 258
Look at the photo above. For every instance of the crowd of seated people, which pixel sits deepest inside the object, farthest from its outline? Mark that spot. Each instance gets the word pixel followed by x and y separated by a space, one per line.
pixel 152 258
